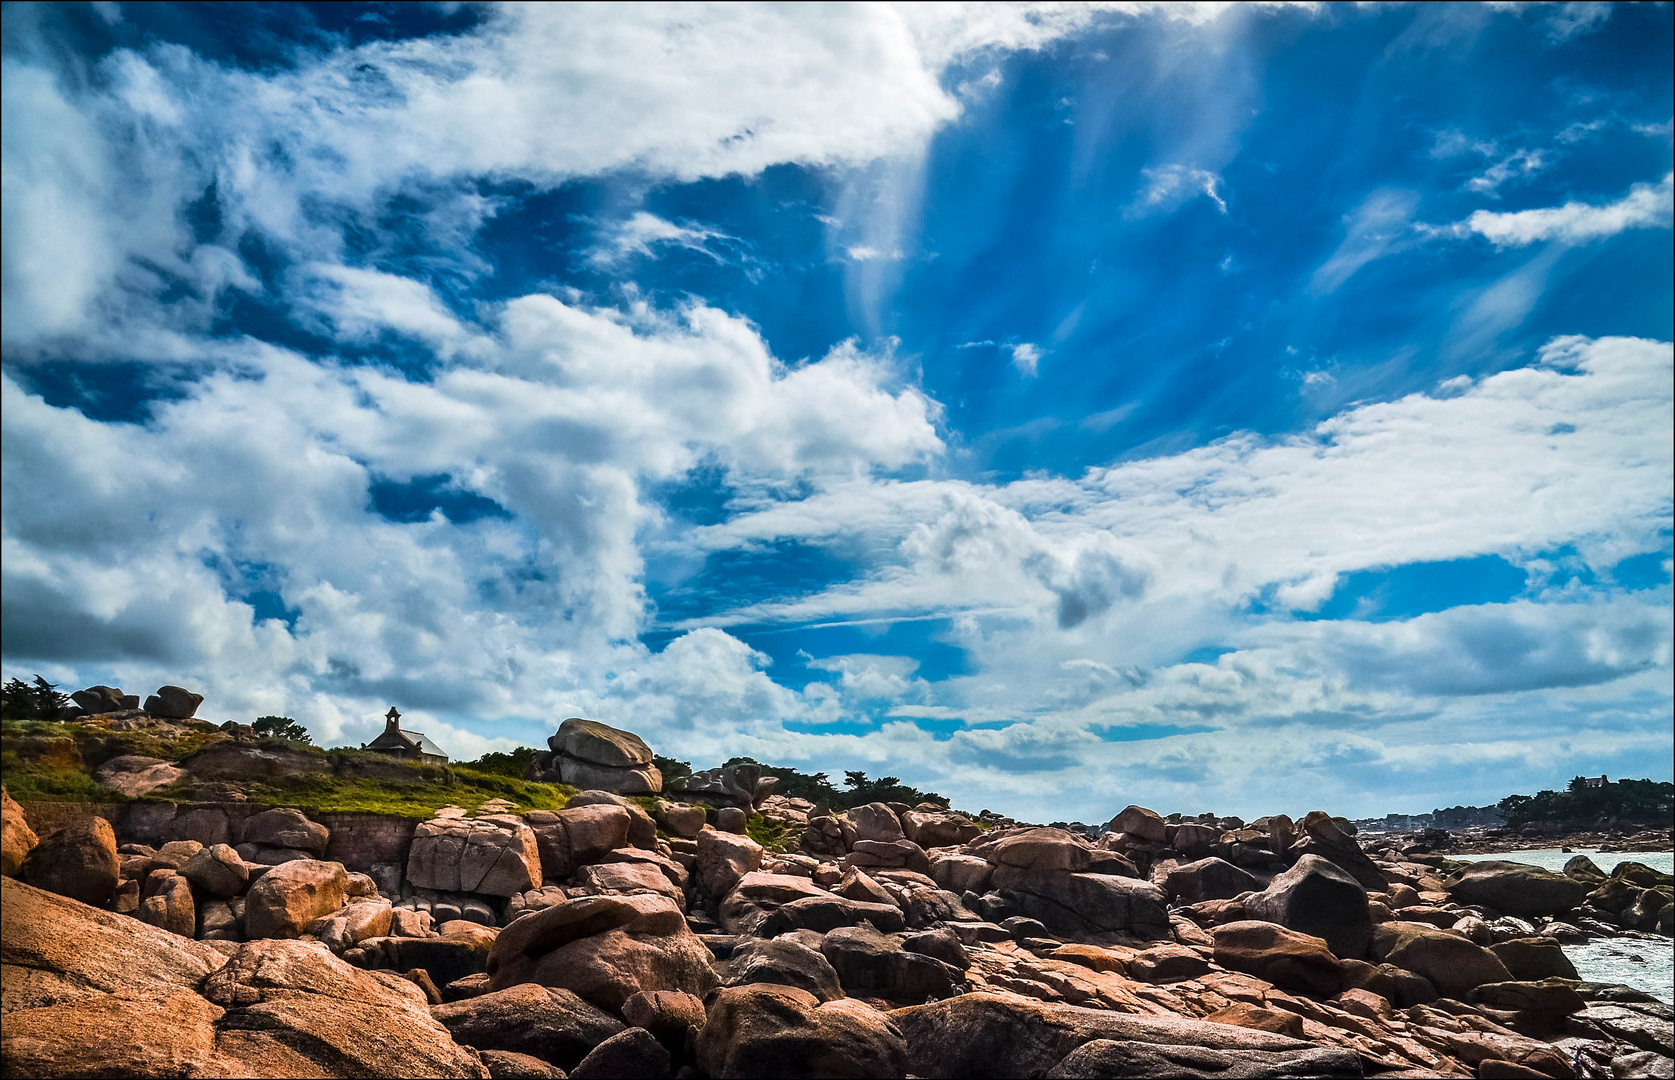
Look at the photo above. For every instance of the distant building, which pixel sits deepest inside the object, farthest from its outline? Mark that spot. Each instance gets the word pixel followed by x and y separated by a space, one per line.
pixel 409 745
pixel 1595 781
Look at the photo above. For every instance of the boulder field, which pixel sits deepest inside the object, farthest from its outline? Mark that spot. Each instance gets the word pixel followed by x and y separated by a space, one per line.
pixel 621 937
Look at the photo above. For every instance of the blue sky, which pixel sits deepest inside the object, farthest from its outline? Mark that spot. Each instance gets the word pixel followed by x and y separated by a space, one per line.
pixel 1241 409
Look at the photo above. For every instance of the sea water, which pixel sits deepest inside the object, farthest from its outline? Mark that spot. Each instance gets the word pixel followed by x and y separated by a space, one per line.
pixel 1645 964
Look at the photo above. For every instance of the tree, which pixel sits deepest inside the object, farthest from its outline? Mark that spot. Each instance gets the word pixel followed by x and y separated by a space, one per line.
pixel 1577 783
pixel 671 767
pixel 281 727
pixel 39 700
pixel 854 779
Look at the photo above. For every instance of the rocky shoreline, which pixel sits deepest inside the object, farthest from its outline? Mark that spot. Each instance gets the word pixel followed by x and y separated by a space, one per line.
pixel 642 937
pixel 1617 838
pixel 1614 841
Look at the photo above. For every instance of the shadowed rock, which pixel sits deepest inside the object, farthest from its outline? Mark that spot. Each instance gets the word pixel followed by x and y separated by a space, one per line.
pixel 78 861
pixel 767 1031
pixel 998 1034
pixel 1139 1061
pixel 783 962
pixel 173 703
pixel 552 1024
pixel 1451 963
pixel 1324 837
pixel 634 1054
pixel 1208 879
pixel 1317 897
pixel 605 948
pixel 1534 958
pixel 758 895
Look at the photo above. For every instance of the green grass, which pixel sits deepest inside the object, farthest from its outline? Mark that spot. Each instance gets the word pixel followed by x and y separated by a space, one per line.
pixel 770 834
pixel 49 760
pixel 469 789
pixel 55 785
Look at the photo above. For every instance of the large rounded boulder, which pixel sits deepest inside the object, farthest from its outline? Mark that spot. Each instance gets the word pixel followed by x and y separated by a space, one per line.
pixel 17 839
pixel 1454 965
pixel 765 1030
pixel 292 895
pixel 1290 960
pixel 78 861
pixel 1317 897
pixel 1004 1034
pixel 174 703
pixel 588 754
pixel 496 855
pixel 1210 879
pixel 1515 888
pixel 605 949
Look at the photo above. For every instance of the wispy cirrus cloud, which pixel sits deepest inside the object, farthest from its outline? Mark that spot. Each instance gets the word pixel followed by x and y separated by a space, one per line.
pixel 1169 186
pixel 1379 226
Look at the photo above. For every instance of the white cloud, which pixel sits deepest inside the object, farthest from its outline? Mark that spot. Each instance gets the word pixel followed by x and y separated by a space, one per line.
pixel 1646 206
pixel 1572 20
pixel 1026 358
pixel 1520 165
pixel 134 546
pixel 1170 186
pixel 124 547
pixel 1453 142
pixel 361 304
pixel 1376 228
pixel 642 232
pixel 1477 469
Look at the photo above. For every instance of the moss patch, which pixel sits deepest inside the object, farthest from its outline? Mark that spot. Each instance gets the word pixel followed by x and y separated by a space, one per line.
pixel 770 834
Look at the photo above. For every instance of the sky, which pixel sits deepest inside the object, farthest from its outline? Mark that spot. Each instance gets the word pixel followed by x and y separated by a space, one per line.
pixel 1238 409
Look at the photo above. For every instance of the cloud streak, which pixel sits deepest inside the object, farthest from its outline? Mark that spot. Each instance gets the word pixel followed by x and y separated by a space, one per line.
pixel 1646 206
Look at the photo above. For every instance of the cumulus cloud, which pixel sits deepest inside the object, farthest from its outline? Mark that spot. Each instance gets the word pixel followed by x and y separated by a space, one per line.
pixel 1026 358
pixel 1080 595
pixel 131 545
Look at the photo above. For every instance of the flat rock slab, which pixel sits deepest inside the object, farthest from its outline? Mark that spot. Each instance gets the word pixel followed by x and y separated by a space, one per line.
pixel 1003 1034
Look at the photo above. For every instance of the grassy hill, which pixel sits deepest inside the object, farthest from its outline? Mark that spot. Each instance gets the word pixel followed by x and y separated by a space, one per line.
pixel 57 759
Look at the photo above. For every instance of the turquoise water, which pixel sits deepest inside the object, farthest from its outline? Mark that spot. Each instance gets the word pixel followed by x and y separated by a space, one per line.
pixel 1647 965
pixel 1553 859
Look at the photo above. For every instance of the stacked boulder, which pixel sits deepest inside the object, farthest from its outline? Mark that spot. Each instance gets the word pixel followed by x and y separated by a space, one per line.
pixel 168 703
pixel 741 786
pixel 588 754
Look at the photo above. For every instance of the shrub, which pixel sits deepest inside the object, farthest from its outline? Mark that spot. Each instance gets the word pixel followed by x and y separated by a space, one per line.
pixel 514 764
